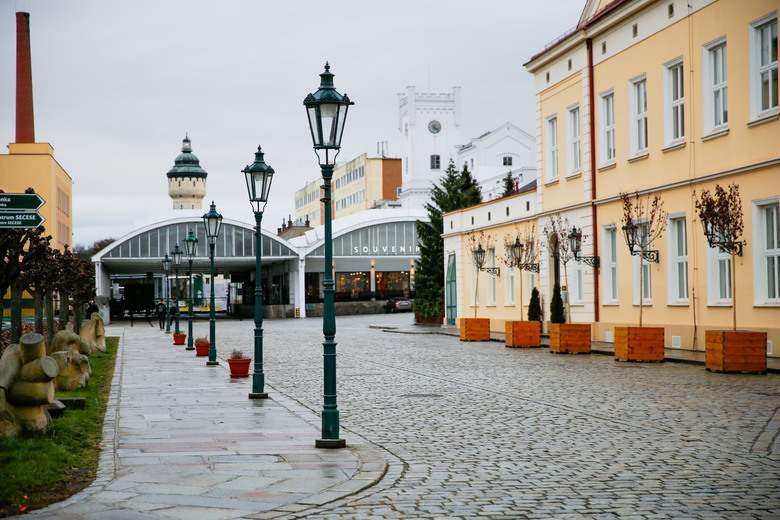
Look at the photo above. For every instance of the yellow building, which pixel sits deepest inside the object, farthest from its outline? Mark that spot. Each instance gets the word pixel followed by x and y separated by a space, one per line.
pixel 32 165
pixel 661 98
pixel 362 183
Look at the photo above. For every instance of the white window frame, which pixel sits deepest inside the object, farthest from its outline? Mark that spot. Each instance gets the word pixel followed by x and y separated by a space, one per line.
pixel 607 136
pixel 674 102
pixel 574 140
pixel 637 108
pixel 611 284
pixel 763 252
pixel 475 300
pixel 759 70
pixel 677 265
pixel 718 290
pixel 551 143
pixel 647 282
pixel 715 86
pixel 492 280
pixel 509 290
pixel 578 279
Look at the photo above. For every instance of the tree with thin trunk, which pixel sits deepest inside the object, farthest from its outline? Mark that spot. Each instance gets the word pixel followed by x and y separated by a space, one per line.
pixel 644 220
pixel 721 215
pixel 557 232
pixel 35 263
pixel 526 257
pixel 475 242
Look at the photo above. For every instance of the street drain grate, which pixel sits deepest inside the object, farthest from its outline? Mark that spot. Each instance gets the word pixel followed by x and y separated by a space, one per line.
pixel 422 395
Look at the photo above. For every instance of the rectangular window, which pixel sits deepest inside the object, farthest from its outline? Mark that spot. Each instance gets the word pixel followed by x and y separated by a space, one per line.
pixel 766 252
pixel 674 102
pixel 763 65
pixel 718 277
pixel 507 161
pixel 573 135
pixel 646 272
pixel 716 114
pixel 638 111
pixel 607 128
pixel 677 245
pixel 577 282
pixel 552 148
pixel 492 279
pixel 510 286
pixel 435 162
pixel 610 268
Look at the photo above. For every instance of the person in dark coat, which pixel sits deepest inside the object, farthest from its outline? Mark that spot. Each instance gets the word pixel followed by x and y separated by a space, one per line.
pixel 92 308
pixel 160 309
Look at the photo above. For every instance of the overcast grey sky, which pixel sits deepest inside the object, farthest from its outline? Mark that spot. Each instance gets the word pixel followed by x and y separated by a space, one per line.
pixel 117 84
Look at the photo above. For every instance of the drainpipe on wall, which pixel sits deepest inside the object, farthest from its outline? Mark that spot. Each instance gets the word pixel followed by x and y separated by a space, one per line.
pixel 592 101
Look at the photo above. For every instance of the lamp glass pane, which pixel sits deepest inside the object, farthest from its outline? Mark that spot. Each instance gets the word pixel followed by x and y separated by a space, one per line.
pixel 316 132
pixel 250 185
pixel 342 116
pixel 328 113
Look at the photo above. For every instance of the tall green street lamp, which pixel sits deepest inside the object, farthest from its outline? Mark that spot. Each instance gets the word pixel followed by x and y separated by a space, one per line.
pixel 191 246
pixel 177 254
pixel 213 222
pixel 327 111
pixel 167 268
pixel 258 184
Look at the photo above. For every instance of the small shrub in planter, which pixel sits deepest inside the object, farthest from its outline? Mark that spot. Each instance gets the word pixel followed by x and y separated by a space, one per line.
pixel 239 365
pixel 202 346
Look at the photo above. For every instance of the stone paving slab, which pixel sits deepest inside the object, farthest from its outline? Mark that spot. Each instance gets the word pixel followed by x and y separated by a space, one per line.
pixel 183 440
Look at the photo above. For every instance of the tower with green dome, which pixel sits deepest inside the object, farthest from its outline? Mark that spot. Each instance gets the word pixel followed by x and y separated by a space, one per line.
pixel 187 180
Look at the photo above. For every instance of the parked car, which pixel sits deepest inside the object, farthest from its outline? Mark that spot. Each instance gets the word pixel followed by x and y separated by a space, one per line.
pixel 398 305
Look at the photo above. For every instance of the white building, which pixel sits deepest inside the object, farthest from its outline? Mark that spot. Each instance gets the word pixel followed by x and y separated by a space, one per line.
pixel 429 125
pixel 489 158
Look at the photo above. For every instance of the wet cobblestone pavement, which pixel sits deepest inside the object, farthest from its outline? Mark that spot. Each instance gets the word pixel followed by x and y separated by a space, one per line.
pixel 477 430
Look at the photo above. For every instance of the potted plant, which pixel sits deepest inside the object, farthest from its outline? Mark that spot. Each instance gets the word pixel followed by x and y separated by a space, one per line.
pixel 571 338
pixel 477 329
pixel 729 351
pixel 522 254
pixel 643 223
pixel 179 338
pixel 239 365
pixel 202 345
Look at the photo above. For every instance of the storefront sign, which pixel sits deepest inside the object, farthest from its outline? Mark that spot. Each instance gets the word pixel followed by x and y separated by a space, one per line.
pixel 386 250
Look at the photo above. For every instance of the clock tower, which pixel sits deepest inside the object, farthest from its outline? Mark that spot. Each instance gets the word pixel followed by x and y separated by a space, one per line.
pixel 429 125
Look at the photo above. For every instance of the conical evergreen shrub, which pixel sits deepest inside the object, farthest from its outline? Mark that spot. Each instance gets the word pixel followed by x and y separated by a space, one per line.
pixel 557 314
pixel 535 306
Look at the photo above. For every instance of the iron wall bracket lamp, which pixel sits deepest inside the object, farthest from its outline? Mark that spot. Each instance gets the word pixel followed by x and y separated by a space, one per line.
pixel 575 243
pixel 631 232
pixel 515 258
pixel 479 260
pixel 715 238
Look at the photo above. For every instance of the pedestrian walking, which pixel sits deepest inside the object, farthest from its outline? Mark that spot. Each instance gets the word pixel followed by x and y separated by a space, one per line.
pixel 161 313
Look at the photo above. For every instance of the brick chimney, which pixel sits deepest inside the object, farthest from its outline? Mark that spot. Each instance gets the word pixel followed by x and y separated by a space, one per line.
pixel 25 129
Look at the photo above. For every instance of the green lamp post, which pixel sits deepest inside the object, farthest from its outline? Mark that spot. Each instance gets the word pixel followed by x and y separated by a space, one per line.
pixel 327 112
pixel 177 254
pixel 191 246
pixel 213 222
pixel 167 268
pixel 258 184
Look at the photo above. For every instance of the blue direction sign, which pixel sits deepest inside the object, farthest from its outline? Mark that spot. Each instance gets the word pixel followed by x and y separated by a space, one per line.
pixel 20 201
pixel 20 219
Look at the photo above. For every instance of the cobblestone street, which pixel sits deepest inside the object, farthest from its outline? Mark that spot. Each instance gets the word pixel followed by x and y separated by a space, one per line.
pixel 480 430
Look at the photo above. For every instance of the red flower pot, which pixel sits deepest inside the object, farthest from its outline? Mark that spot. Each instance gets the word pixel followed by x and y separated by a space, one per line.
pixel 202 349
pixel 178 339
pixel 239 367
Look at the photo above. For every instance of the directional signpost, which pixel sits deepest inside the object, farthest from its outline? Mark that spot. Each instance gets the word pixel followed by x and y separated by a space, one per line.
pixel 19 210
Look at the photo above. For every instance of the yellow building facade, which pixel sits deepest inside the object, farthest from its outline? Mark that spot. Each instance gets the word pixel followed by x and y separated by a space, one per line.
pixel 661 98
pixel 32 165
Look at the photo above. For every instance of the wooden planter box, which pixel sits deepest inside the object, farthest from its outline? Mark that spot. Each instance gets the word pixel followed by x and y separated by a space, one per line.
pixel 639 343
pixel 570 338
pixel 524 334
pixel 741 351
pixel 475 329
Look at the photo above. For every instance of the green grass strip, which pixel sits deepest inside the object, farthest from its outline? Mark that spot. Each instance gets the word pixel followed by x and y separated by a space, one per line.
pixel 49 467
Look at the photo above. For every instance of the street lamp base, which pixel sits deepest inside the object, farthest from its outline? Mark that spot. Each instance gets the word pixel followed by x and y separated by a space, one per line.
pixel 190 348
pixel 258 395
pixel 167 332
pixel 330 444
pixel 212 363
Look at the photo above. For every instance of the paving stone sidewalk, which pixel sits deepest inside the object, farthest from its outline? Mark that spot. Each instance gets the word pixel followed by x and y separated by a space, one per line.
pixel 182 440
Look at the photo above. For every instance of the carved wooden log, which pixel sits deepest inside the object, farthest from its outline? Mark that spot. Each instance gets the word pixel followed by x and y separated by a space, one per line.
pixel 40 370
pixel 31 347
pixel 30 394
pixel 64 359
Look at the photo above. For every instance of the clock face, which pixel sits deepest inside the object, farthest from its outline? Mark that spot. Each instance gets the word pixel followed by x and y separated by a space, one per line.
pixel 434 127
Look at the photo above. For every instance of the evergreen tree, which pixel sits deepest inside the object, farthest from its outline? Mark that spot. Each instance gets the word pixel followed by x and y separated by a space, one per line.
pixel 456 190
pixel 535 306
pixel 557 314
pixel 510 188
